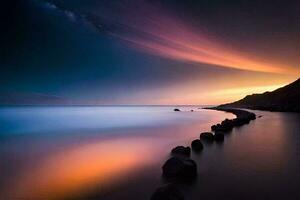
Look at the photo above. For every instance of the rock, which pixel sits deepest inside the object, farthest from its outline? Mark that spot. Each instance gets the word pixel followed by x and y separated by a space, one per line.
pixel 251 116
pixel 181 150
pixel 225 126
pixel 241 121
pixel 207 136
pixel 219 127
pixel 242 117
pixel 180 168
pixel 197 145
pixel 176 109
pixel 192 110
pixel 219 137
pixel 167 192
pixel 214 127
pixel 238 122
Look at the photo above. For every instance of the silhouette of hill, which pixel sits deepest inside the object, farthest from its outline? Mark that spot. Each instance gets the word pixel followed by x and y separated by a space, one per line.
pixel 284 99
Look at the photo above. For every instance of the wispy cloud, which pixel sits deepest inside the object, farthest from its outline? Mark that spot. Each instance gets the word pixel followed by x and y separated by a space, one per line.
pixel 158 32
pixel 173 39
pixel 155 31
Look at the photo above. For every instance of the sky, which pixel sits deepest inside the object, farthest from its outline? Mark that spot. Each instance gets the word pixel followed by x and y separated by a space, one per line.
pixel 148 51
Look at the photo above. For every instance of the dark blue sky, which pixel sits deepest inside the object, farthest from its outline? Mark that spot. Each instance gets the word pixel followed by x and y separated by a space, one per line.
pixel 88 50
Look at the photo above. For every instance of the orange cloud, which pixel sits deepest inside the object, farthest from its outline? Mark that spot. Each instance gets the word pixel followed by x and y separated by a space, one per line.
pixel 171 38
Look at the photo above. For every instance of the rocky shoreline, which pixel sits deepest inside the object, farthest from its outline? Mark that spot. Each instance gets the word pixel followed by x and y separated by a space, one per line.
pixel 180 168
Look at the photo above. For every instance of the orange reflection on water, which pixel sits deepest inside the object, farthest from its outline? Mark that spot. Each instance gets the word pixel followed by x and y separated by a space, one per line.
pixel 77 169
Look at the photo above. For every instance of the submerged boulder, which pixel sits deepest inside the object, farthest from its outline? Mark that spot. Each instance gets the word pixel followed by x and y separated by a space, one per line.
pixel 214 127
pixel 207 136
pixel 225 126
pixel 197 145
pixel 182 151
pixel 176 109
pixel 241 121
pixel 167 192
pixel 251 116
pixel 179 168
pixel 219 137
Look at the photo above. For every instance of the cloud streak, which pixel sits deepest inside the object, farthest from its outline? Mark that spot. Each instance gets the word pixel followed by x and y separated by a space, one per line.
pixel 171 39
pixel 156 31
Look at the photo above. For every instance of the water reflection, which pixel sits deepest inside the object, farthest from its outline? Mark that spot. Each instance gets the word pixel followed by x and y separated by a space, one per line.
pixel 46 165
pixel 82 167
pixel 257 161
pixel 260 146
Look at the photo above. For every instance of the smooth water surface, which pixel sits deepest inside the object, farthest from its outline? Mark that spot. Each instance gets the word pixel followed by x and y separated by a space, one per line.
pixel 112 153
pixel 72 152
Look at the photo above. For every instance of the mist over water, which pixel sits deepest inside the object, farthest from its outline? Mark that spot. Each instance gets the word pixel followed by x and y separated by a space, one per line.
pixel 62 152
pixel 28 120
pixel 115 152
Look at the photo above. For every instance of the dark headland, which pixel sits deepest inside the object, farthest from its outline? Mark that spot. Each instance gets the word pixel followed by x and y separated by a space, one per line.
pixel 284 99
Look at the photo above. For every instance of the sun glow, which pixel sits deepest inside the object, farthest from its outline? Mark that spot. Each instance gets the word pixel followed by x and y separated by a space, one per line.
pixel 228 95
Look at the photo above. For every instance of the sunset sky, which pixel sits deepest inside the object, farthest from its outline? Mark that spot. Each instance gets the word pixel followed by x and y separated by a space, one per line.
pixel 148 51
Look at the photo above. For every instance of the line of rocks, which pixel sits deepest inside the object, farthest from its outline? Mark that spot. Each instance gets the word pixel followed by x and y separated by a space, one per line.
pixel 181 169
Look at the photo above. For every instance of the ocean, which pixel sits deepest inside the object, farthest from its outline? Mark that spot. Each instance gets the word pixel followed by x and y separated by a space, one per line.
pixel 116 152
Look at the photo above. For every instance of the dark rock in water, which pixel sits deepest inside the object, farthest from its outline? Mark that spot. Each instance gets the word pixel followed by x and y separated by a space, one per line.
pixel 167 192
pixel 197 145
pixel 207 136
pixel 241 121
pixel 214 127
pixel 181 150
pixel 242 117
pixel 221 128
pixel 260 116
pixel 176 109
pixel 219 137
pixel 226 121
pixel 252 116
pixel 225 126
pixel 192 110
pixel 179 168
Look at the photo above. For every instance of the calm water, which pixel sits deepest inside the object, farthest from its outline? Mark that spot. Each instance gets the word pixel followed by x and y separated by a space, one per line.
pixel 72 152
pixel 116 153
